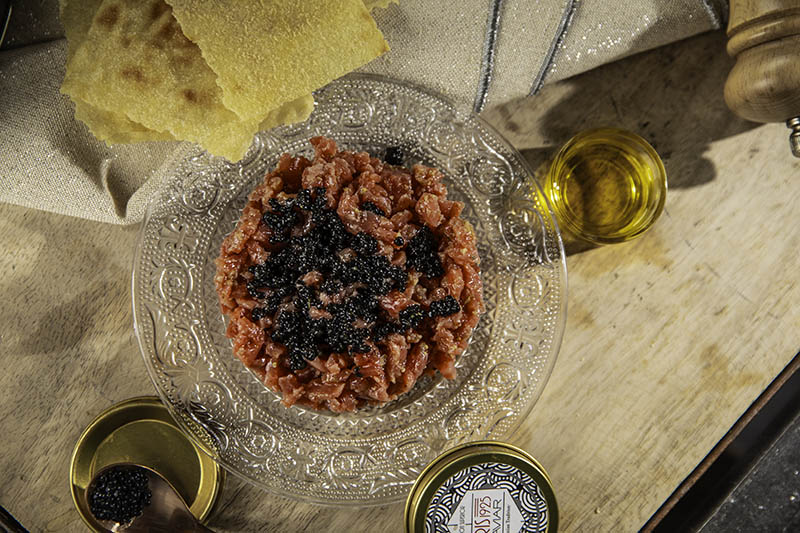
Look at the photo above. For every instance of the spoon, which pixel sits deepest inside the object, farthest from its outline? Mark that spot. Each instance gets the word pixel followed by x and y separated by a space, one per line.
pixel 167 512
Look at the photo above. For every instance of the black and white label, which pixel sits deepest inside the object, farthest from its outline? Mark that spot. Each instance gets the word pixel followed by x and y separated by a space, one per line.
pixel 488 498
pixel 486 511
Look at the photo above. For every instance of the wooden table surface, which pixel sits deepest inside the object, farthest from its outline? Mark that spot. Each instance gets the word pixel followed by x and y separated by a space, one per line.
pixel 669 338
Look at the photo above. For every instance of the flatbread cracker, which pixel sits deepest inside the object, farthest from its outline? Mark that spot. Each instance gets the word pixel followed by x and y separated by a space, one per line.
pixel 136 60
pixel 76 17
pixel 289 113
pixel 281 50
pixel 114 128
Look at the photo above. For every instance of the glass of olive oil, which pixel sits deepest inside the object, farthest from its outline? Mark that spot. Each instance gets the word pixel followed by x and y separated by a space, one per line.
pixel 607 185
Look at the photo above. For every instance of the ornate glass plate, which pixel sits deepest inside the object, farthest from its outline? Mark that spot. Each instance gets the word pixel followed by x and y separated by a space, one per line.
pixel 374 455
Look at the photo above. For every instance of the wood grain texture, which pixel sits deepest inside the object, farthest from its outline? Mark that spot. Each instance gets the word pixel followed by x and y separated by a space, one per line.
pixel 764 37
pixel 669 337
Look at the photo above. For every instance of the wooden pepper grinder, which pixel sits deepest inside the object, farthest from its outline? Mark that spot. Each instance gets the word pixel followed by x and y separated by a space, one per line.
pixel 764 84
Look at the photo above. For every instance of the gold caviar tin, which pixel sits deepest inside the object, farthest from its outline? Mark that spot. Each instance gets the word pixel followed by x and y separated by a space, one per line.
pixel 482 487
pixel 141 430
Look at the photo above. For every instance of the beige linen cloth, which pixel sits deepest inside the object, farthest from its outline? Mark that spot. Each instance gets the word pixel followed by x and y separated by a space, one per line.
pixel 481 53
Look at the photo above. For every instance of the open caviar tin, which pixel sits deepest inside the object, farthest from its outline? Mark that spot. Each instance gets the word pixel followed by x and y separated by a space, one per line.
pixel 482 487
pixel 141 430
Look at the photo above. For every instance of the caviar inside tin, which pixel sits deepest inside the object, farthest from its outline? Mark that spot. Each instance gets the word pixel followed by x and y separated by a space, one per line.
pixel 482 487
pixel 119 494
pixel 141 431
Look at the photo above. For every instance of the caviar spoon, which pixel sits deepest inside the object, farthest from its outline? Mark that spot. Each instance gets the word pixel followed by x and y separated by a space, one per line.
pixel 121 489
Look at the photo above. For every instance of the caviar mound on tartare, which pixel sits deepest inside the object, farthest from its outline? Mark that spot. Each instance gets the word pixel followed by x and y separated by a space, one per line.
pixel 347 278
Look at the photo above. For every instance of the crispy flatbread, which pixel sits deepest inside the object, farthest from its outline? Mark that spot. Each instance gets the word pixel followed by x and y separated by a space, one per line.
pixel 114 128
pixel 280 50
pixel 295 111
pixel 76 17
pixel 136 60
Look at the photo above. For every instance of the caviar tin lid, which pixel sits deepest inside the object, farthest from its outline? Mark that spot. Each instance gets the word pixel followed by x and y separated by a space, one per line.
pixel 482 487
pixel 141 431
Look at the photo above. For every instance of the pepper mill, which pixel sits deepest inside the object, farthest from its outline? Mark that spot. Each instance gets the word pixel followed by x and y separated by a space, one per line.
pixel 764 84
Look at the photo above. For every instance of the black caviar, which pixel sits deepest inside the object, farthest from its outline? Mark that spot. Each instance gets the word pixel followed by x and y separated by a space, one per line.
pixel 120 494
pixel 364 244
pixel 281 220
pixel 422 253
pixel 394 155
pixel 258 313
pixel 365 274
pixel 319 250
pixel 383 329
pixel 370 206
pixel 444 307
pixel 411 316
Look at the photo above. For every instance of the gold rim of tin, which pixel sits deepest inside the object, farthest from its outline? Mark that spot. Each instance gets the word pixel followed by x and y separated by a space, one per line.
pixel 127 417
pixel 469 454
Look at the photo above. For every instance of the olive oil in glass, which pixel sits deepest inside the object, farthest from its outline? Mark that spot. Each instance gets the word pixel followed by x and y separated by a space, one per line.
pixel 607 185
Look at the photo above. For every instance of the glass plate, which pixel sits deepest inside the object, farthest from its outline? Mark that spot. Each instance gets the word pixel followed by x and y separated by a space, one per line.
pixel 372 456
